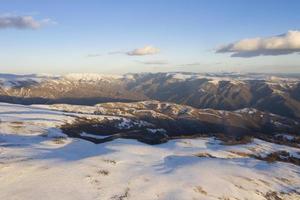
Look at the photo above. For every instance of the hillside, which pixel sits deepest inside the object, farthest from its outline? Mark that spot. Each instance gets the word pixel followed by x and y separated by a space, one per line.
pixel 39 161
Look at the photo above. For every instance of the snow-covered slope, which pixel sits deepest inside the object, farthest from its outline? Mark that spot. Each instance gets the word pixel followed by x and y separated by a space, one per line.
pixel 37 161
pixel 8 81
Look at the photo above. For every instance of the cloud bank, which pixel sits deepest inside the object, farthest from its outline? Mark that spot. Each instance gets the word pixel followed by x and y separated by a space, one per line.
pixel 287 43
pixel 147 50
pixel 22 22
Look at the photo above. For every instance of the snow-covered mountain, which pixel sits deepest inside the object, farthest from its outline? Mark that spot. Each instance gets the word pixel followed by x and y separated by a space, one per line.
pixel 39 161
pixel 279 94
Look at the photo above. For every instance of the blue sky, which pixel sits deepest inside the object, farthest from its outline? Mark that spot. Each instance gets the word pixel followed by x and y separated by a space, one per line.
pixel 97 36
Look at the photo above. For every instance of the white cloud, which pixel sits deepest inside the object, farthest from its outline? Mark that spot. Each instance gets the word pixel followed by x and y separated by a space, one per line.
pixel 94 55
pixel 154 62
pixel 276 45
pixel 22 22
pixel 116 52
pixel 190 64
pixel 147 50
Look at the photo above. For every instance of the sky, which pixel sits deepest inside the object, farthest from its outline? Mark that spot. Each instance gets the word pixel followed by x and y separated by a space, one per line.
pixel 131 36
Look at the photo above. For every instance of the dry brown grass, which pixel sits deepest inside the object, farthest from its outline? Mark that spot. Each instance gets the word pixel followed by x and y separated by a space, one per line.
pixel 204 155
pixel 123 196
pixel 242 154
pixel 199 189
pixel 272 196
pixel 103 172
pixel 59 140
pixel 281 156
pixel 110 161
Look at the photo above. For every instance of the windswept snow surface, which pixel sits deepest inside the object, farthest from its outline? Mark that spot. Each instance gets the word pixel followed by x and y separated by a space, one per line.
pixel 37 161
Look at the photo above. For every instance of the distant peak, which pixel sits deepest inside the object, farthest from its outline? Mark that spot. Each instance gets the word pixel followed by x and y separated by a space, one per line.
pixel 91 76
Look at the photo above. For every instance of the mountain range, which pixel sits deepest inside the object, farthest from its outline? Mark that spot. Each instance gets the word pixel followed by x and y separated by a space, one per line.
pixel 278 94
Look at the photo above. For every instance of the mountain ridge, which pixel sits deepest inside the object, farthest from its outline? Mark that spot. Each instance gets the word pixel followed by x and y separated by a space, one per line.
pixel 222 91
